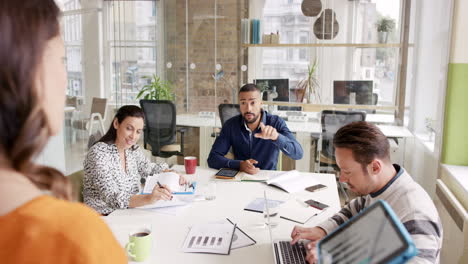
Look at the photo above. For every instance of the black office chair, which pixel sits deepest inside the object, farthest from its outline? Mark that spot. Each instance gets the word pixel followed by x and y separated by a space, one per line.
pixel 331 121
pixel 160 128
pixel 226 111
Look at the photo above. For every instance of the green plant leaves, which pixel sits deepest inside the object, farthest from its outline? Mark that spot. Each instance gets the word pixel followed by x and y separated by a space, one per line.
pixel 157 89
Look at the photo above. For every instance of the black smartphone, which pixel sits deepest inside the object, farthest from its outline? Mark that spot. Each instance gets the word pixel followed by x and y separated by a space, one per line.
pixel 316 204
pixel 316 187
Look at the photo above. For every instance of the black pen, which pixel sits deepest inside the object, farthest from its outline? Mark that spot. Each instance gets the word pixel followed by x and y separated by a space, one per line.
pixel 160 186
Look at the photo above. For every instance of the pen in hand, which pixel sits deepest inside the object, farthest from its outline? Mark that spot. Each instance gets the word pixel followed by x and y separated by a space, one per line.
pixel 162 187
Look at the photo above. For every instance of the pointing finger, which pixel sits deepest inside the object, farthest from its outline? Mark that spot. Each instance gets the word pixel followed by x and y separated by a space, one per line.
pixel 258 135
pixel 262 126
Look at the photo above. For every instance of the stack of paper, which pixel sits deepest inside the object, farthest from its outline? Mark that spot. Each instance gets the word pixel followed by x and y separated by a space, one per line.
pixel 261 176
pixel 176 201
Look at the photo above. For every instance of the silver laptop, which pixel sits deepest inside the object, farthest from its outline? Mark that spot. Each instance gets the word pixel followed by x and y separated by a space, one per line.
pixel 283 252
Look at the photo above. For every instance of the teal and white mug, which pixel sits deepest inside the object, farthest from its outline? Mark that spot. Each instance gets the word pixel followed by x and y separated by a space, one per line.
pixel 139 245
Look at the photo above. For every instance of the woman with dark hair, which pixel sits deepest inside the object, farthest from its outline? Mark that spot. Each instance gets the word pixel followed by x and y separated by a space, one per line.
pixel 115 164
pixel 36 226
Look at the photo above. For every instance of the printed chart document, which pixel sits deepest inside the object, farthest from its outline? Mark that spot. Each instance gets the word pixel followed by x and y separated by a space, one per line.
pixel 292 181
pixel 215 238
pixel 298 211
pixel 240 239
pixel 170 179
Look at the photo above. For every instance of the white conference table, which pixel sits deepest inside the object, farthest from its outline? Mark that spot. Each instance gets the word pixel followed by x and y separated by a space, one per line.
pixel 169 231
pixel 306 132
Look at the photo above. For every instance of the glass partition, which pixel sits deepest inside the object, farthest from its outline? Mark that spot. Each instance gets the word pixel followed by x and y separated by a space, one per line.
pixel 344 56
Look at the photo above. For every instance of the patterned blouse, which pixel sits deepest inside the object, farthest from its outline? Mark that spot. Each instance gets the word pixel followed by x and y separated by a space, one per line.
pixel 107 186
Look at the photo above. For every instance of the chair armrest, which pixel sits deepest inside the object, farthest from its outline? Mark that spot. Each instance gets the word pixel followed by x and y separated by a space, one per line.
pixel 181 130
pixel 99 118
pixel 216 132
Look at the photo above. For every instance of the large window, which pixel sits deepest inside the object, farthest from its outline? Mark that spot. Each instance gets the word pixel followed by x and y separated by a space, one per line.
pixel 361 53
pixel 73 40
pixel 133 42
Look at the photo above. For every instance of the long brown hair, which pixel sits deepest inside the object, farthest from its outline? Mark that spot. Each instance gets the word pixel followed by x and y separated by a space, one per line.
pixel 123 112
pixel 26 27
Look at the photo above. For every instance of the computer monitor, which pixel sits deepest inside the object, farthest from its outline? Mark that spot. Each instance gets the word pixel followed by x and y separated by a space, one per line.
pixel 281 86
pixel 342 91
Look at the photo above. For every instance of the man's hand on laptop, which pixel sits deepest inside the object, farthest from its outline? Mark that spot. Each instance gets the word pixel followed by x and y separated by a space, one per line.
pixel 248 166
pixel 313 234
pixel 268 132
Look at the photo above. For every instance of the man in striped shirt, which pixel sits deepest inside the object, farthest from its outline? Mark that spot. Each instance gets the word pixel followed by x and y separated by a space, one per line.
pixel 363 156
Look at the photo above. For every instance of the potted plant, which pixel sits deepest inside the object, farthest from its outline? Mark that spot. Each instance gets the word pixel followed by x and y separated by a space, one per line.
pixel 385 25
pixel 308 87
pixel 156 89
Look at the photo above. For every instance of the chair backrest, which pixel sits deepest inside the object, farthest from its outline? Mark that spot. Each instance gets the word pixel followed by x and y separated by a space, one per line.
pixel 99 106
pixel 375 98
pixel 76 180
pixel 331 121
pixel 160 123
pixel 226 111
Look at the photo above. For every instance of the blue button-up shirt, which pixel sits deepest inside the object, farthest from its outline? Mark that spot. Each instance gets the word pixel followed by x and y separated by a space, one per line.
pixel 236 134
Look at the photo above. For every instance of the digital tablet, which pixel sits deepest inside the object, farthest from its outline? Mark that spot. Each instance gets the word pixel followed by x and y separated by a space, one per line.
pixel 375 235
pixel 226 173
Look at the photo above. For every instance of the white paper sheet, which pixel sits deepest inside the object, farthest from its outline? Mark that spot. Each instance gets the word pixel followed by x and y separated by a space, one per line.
pixel 298 212
pixel 209 238
pixel 170 179
pixel 292 181
pixel 177 200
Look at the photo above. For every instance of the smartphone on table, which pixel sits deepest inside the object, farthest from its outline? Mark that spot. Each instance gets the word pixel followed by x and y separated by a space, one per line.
pixel 316 204
pixel 316 187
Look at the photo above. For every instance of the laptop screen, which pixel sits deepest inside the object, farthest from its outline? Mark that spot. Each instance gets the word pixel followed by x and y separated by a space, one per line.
pixel 371 237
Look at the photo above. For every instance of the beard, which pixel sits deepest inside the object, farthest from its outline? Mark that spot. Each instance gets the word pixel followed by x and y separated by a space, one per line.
pixel 253 120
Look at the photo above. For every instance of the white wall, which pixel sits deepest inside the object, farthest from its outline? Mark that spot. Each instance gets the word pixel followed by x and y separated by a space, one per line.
pixel 452 243
pixel 459 51
pixel 422 164
pixel 432 40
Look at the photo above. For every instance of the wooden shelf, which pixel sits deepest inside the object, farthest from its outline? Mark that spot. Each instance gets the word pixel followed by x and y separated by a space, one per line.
pixel 319 107
pixel 330 45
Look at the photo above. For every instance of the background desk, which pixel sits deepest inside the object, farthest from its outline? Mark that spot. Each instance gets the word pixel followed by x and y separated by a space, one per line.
pixel 169 231
pixel 306 133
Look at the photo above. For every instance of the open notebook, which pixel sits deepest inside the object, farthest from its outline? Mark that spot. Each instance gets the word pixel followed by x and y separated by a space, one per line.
pixel 292 181
pixel 170 179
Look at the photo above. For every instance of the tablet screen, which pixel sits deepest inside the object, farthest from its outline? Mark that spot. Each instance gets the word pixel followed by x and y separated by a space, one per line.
pixel 371 237
pixel 227 172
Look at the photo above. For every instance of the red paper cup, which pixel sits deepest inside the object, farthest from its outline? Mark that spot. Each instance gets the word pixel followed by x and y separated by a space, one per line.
pixel 190 164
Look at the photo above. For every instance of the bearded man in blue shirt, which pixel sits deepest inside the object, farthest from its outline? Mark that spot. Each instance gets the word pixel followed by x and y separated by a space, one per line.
pixel 256 137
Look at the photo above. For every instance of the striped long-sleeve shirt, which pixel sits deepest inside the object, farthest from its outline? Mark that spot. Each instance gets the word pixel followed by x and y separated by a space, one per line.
pixel 411 204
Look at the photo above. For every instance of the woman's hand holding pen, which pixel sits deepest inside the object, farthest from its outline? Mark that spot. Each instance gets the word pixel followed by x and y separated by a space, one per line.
pixel 161 192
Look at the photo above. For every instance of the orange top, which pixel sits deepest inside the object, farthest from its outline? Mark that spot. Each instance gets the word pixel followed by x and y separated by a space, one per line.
pixel 49 230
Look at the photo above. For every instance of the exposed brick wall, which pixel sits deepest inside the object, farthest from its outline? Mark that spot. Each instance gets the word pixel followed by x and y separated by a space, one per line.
pixel 203 94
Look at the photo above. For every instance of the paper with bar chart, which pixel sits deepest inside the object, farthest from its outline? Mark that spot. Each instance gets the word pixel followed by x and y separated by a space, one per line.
pixel 213 238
